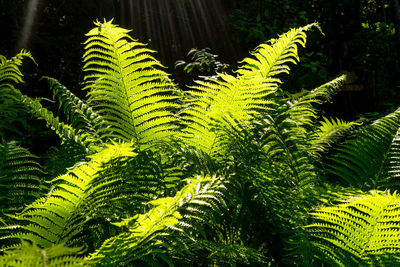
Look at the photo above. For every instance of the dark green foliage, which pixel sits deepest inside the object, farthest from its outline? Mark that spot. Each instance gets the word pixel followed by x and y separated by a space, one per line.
pixel 203 62
pixel 59 216
pixel 80 115
pixel 21 178
pixel 370 160
pixel 172 223
pixel 10 106
pixel 363 230
pixel 33 256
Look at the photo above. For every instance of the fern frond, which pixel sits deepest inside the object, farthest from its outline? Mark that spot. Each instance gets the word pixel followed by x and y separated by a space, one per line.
pixel 370 159
pixel 65 131
pixel 9 70
pixel 57 218
pixel 77 111
pixel 230 101
pixel 303 110
pixel 20 177
pixel 126 87
pixel 151 232
pixel 10 106
pixel 33 256
pixel 272 60
pixel 235 100
pixel 359 231
pixel 327 133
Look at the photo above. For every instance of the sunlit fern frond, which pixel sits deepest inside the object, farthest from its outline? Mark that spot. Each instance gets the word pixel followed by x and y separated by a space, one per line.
pixel 65 131
pixel 231 99
pixel 303 111
pixel 20 178
pixel 9 70
pixel 76 110
pixel 328 133
pixel 29 255
pixel 58 217
pixel 361 231
pixel 225 102
pixel 10 106
pixel 127 88
pixel 272 59
pixel 130 184
pixel 151 236
pixel 370 159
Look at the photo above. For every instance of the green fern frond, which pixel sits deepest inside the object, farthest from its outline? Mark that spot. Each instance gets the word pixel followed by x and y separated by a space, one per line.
pixel 272 60
pixel 32 256
pixel 9 70
pixel 77 111
pixel 229 101
pixel 65 131
pixel 149 235
pixel 359 231
pixel 20 177
pixel 126 87
pixel 10 106
pixel 370 159
pixel 233 101
pixel 58 217
pixel 327 133
pixel 303 110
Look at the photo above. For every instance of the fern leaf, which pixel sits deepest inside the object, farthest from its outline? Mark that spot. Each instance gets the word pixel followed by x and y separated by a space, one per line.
pixel 77 111
pixel 65 131
pixel 369 160
pixel 33 256
pixel 329 132
pixel 359 231
pixel 57 218
pixel 9 70
pixel 20 177
pixel 126 87
pixel 303 111
pixel 234 101
pixel 146 231
pixel 272 60
pixel 10 106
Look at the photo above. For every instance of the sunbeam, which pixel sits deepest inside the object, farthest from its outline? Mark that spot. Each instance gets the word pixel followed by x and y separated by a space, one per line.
pixel 27 29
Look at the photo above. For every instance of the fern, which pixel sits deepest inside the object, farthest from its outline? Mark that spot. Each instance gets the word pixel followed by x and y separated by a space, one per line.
pixel 303 110
pixel 10 108
pixel 132 95
pixel 65 131
pixel 58 217
pixel 33 256
pixel 361 231
pixel 328 133
pixel 81 116
pixel 370 160
pixel 272 60
pixel 9 70
pixel 151 232
pixel 225 101
pixel 236 100
pixel 20 177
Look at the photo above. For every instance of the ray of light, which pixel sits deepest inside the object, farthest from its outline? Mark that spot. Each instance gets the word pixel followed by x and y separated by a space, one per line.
pixel 29 19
